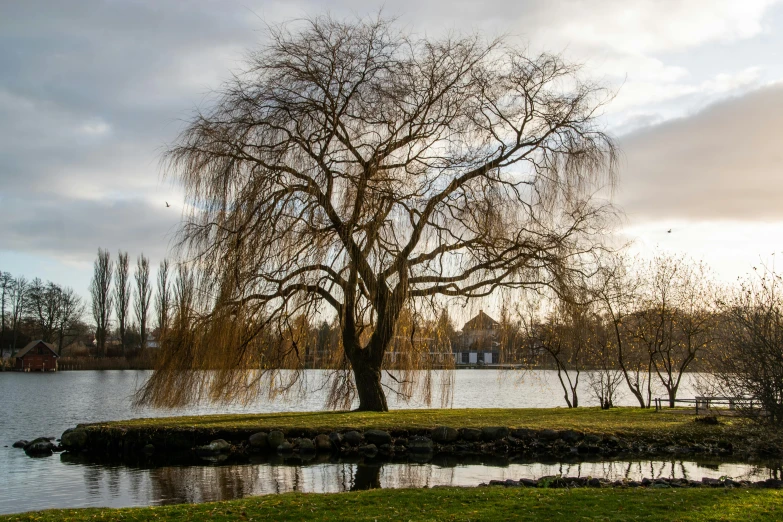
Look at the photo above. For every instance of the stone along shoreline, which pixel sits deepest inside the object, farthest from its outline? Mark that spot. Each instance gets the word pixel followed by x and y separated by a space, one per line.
pixel 416 435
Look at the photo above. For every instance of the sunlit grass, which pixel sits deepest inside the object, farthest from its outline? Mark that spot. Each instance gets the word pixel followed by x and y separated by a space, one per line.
pixel 461 504
pixel 619 421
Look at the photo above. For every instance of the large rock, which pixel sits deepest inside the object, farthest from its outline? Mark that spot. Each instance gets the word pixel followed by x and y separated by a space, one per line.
pixel 259 440
pixel 336 439
pixel 419 444
pixel 275 438
pixel 570 436
pixel 522 434
pixel 444 434
pixel 39 447
pixel 20 443
pixel 490 433
pixel 470 434
pixel 74 439
pixel 353 438
pixel 215 447
pixel 592 438
pixel 548 434
pixel 323 442
pixel 368 450
pixel 305 445
pixel 377 437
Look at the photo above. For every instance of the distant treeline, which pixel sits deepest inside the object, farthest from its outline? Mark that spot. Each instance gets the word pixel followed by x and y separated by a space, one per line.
pixel 39 310
pixel 120 306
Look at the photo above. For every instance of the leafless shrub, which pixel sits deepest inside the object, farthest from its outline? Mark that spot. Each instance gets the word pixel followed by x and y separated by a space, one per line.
pixel 751 363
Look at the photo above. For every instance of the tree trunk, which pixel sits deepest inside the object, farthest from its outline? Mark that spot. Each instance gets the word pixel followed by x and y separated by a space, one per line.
pixel 367 477
pixel 367 376
pixel 672 396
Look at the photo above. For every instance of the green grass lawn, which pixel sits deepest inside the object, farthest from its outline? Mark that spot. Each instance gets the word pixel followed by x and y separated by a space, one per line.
pixel 635 422
pixel 494 504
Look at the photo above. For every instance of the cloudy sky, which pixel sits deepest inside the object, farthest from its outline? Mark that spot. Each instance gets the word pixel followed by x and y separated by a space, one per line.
pixel 91 93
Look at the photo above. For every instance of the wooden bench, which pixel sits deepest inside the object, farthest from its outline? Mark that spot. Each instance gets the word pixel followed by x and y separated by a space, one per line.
pixel 706 402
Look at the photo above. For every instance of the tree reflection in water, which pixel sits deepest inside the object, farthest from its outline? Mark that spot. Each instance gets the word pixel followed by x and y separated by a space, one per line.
pixel 368 476
pixel 122 485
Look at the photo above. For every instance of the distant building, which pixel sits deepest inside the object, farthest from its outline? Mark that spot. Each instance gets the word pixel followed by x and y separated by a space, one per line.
pixel 37 356
pixel 76 349
pixel 479 341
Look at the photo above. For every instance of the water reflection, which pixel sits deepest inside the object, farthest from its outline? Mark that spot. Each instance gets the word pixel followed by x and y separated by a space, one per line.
pixel 127 486
pixel 74 397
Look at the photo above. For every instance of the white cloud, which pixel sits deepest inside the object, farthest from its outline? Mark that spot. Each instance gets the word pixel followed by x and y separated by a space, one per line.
pixel 722 163
pixel 95 128
pixel 654 26
pixel 646 91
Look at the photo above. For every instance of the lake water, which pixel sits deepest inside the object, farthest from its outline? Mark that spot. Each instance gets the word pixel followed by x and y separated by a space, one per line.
pixel 46 404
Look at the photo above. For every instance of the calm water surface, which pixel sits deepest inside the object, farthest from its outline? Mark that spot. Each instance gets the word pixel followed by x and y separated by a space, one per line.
pixel 46 404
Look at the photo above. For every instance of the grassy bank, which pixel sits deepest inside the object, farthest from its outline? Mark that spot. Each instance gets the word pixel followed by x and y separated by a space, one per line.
pixel 618 421
pixel 460 504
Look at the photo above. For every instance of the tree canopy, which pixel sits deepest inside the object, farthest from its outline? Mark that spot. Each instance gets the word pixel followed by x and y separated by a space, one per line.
pixel 354 170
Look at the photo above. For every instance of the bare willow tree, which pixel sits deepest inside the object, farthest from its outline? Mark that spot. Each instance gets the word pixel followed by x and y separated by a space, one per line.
pixel 352 169
pixel 102 300
pixel 143 295
pixel 122 293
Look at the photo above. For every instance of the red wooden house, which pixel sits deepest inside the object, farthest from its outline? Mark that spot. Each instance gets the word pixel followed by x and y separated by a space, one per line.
pixel 37 356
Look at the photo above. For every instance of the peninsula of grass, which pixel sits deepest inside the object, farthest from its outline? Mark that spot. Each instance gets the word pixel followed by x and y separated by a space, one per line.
pixel 634 422
pixel 486 503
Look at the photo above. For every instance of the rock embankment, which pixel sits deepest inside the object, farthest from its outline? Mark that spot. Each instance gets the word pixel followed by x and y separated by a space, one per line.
pixel 39 447
pixel 408 444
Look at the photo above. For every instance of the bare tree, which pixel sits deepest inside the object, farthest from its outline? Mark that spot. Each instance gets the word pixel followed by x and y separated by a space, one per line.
pixel 18 307
pixel 673 321
pixel 122 293
pixel 751 365
pixel 6 284
pixel 564 336
pixel 43 305
pixel 70 311
pixel 616 291
pixel 163 297
pixel 352 169
pixel 102 299
pixel 605 376
pixel 143 295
